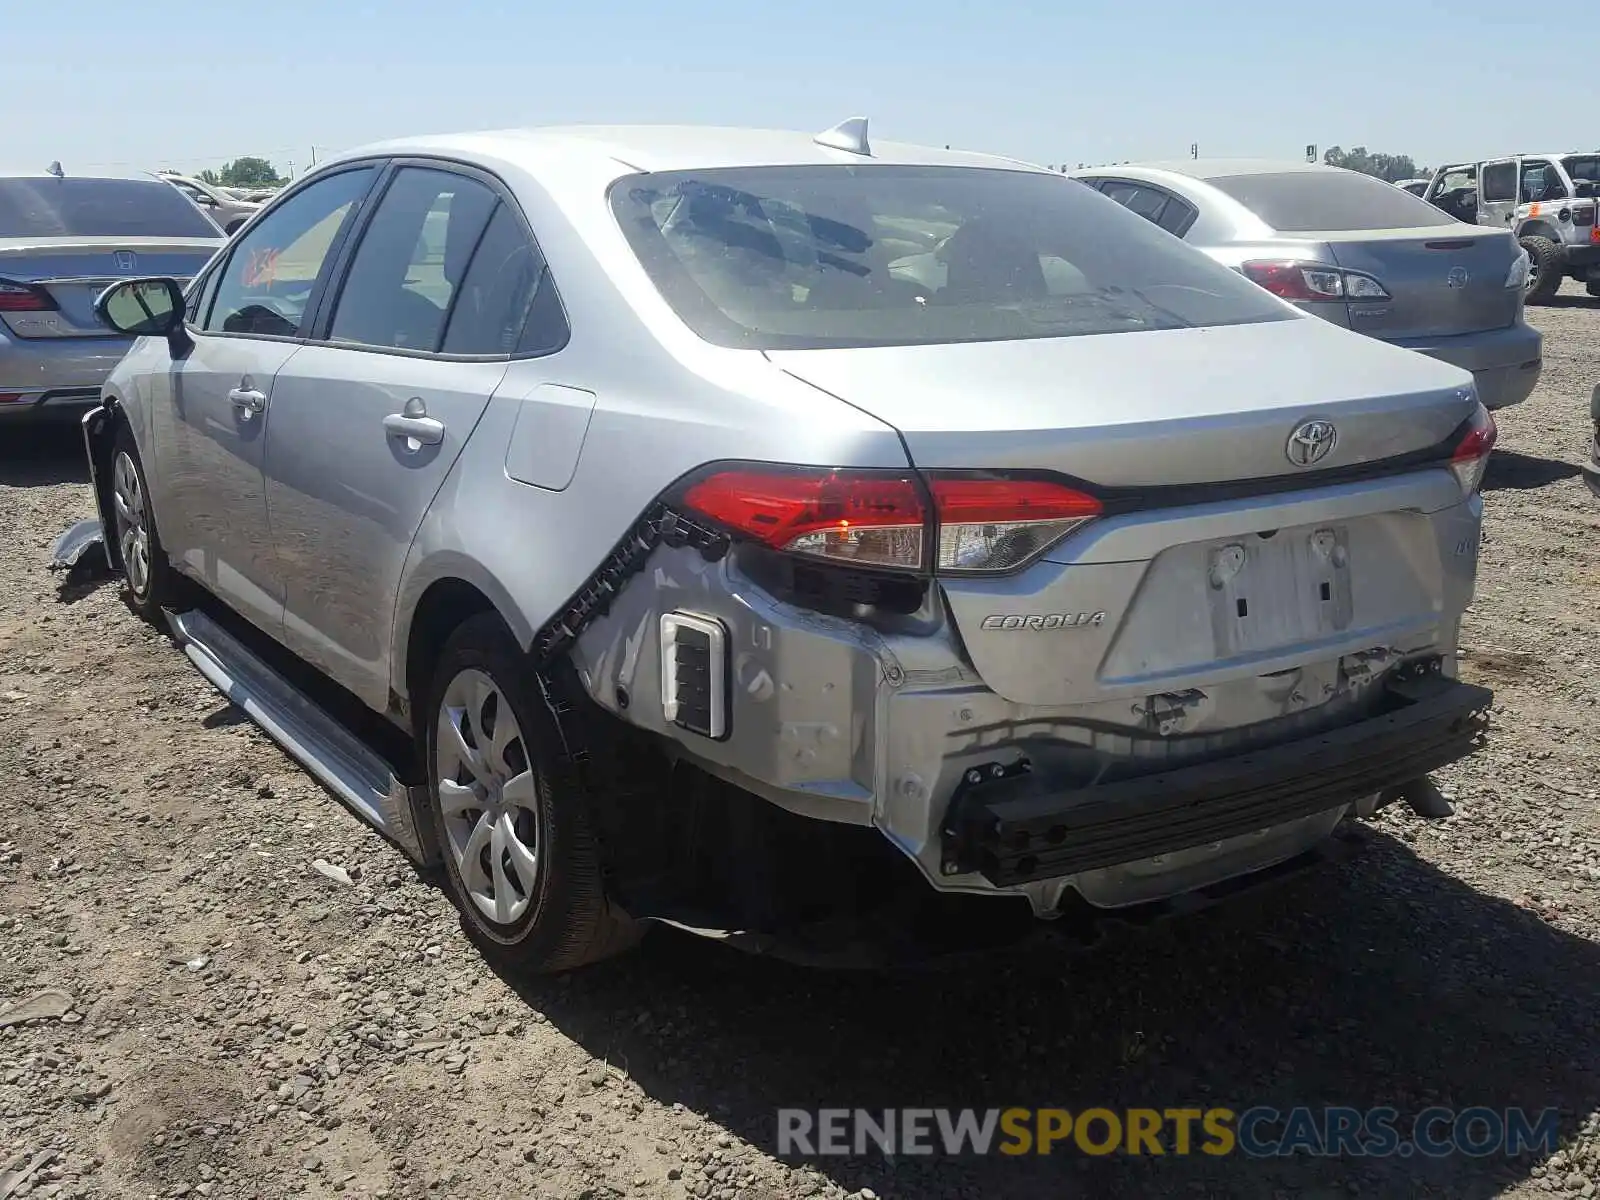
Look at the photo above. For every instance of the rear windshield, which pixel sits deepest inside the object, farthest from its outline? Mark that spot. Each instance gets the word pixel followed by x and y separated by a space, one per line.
pixel 807 257
pixel 1303 201
pixel 50 207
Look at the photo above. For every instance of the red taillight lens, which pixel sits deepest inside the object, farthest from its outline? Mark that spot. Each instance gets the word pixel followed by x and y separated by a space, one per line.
pixel 875 519
pixel 1470 460
pixel 21 297
pixel 869 519
pixel 1000 524
pixel 1312 281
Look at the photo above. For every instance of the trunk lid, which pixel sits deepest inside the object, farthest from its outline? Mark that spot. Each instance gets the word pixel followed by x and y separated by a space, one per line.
pixel 1127 607
pixel 1149 409
pixel 1448 282
pixel 74 271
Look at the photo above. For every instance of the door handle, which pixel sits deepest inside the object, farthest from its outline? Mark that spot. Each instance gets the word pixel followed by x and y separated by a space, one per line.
pixel 423 430
pixel 247 400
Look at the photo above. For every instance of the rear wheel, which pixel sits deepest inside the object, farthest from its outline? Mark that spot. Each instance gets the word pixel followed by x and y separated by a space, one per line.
pixel 1544 268
pixel 149 578
pixel 1592 287
pixel 509 812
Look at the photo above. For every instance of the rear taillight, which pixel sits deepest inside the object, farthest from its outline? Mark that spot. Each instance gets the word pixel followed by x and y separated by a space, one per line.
pixel 868 518
pixel 1521 271
pixel 1471 457
pixel 23 297
pixel 1001 524
pixel 878 520
pixel 1312 281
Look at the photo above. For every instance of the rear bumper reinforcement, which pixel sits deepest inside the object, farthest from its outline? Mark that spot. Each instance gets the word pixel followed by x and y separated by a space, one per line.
pixel 1014 827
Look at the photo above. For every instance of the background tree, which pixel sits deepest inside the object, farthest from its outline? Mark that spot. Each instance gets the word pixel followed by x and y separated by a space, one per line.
pixel 1389 167
pixel 209 176
pixel 248 172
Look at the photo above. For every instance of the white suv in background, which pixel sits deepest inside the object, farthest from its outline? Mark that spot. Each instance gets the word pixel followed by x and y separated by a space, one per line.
pixel 228 211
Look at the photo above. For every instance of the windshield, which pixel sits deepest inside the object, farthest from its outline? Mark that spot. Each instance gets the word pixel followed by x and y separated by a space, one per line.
pixel 832 256
pixel 49 207
pixel 1306 201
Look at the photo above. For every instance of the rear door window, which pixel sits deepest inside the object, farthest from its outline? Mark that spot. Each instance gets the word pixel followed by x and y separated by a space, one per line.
pixel 1305 201
pixel 1177 216
pixel 411 261
pixel 1146 201
pixel 48 207
pixel 506 303
pixel 267 283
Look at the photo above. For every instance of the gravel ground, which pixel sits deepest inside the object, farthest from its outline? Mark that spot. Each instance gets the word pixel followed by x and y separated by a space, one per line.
pixel 227 1020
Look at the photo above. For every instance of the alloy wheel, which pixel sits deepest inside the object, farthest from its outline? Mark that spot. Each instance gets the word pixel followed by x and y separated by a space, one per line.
pixel 133 534
pixel 487 797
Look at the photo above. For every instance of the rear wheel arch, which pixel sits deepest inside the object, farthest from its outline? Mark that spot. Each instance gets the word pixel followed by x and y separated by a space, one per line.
pixel 444 605
pixel 1539 229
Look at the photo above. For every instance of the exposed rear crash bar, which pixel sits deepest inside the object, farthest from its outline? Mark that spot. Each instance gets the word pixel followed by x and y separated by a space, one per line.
pixel 1014 827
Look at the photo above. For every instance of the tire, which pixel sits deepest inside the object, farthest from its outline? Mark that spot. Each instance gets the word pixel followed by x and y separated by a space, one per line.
pixel 233 228
pixel 1592 287
pixel 148 578
pixel 1545 261
pixel 495 789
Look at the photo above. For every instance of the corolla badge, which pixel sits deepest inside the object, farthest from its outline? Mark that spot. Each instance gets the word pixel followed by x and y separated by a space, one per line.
pixel 1311 442
pixel 1457 278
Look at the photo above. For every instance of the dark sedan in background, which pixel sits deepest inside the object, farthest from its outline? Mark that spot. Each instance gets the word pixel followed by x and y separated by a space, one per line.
pixel 63 240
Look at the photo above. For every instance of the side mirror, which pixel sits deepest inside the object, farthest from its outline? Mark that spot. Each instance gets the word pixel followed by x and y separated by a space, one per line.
pixel 144 308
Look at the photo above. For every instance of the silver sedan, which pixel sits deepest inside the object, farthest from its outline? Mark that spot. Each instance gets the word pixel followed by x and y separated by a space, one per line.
pixel 63 240
pixel 1354 250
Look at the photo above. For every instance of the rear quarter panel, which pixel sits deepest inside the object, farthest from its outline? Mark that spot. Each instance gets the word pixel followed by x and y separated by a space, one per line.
pixel 665 403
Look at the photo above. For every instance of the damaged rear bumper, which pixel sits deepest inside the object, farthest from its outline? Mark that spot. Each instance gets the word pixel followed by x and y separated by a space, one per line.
pixel 1013 826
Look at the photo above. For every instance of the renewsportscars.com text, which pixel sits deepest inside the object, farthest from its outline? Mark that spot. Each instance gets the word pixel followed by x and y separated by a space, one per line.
pixel 1257 1132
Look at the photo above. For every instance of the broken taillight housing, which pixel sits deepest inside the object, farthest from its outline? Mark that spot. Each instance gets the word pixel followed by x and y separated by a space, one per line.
pixel 987 524
pixel 1470 460
pixel 957 523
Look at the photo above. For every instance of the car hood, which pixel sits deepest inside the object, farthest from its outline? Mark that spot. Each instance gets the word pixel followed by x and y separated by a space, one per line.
pixel 1149 408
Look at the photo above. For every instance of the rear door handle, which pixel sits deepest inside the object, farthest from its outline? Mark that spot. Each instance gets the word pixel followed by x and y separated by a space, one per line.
pixel 247 400
pixel 424 430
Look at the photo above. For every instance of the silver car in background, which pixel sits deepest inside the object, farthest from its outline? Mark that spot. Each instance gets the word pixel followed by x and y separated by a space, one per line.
pixel 1355 251
pixel 229 210
pixel 63 241
pixel 789 537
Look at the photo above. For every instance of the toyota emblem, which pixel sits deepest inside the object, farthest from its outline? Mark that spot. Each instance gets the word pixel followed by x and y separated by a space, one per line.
pixel 1457 278
pixel 1311 442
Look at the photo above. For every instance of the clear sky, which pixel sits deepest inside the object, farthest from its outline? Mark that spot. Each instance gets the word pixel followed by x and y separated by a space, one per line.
pixel 173 83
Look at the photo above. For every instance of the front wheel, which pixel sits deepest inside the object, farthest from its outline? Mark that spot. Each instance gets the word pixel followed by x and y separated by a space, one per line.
pixel 509 811
pixel 146 573
pixel 1544 268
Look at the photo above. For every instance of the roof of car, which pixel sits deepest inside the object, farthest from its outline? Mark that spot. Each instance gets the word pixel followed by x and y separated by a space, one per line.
pixel 677 147
pixel 1216 168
